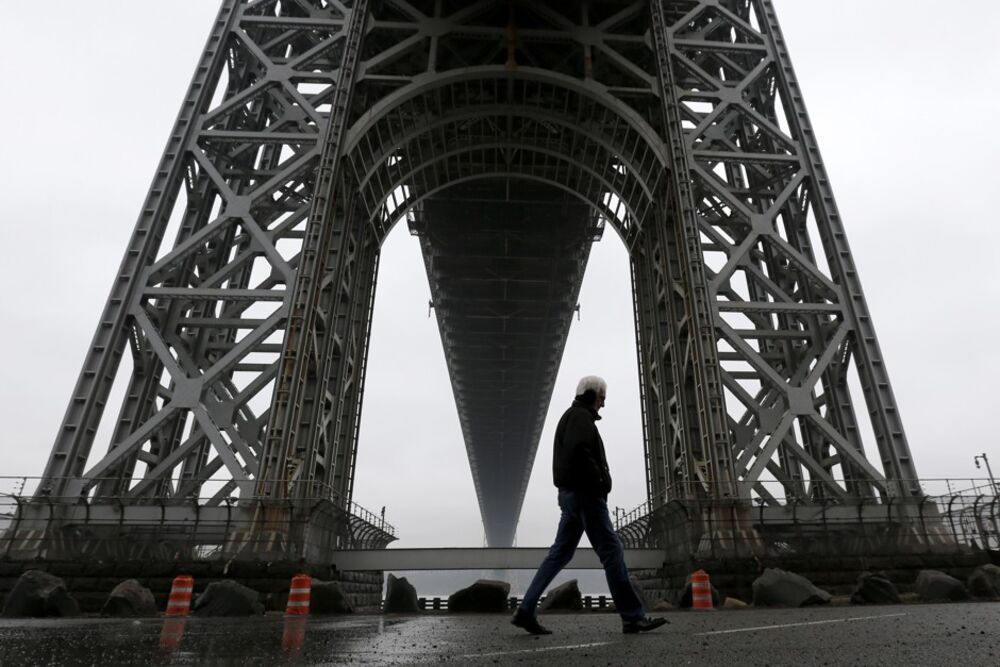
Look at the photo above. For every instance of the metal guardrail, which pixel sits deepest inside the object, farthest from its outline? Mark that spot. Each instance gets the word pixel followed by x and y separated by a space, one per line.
pixel 476 558
pixel 225 492
pixel 966 518
pixel 35 524
pixel 589 602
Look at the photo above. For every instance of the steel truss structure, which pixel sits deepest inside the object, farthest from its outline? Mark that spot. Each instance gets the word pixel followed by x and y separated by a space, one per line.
pixel 311 127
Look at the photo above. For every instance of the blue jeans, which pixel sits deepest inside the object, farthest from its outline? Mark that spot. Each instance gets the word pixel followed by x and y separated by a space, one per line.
pixel 581 514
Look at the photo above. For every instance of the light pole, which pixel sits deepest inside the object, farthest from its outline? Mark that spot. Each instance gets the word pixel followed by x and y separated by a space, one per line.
pixel 989 471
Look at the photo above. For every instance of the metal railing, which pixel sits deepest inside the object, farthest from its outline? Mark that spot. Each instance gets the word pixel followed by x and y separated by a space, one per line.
pixel 38 525
pixel 964 518
pixel 595 602
pixel 948 516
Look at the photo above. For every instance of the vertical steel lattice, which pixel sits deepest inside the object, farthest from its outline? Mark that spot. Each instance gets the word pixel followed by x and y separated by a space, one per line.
pixel 751 188
pixel 310 127
pixel 206 320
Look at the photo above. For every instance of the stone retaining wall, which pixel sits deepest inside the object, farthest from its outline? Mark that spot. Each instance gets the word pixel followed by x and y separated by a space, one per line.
pixel 90 583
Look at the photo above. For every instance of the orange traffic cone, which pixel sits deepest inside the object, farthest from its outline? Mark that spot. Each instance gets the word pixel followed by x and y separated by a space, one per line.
pixel 299 595
pixel 179 602
pixel 701 591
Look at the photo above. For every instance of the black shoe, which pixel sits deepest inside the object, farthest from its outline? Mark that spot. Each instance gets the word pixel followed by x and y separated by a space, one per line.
pixel 523 619
pixel 642 625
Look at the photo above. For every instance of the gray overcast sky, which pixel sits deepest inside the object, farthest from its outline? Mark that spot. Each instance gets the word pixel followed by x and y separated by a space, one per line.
pixel 902 94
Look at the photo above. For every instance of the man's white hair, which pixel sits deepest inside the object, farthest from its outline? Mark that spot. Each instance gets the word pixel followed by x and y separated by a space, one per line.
pixel 597 384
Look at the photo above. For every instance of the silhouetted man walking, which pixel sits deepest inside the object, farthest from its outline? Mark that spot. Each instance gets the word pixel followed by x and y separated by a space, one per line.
pixel 580 471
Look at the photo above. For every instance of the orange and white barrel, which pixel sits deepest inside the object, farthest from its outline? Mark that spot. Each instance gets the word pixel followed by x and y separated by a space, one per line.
pixel 299 595
pixel 701 591
pixel 179 602
pixel 293 635
pixel 172 633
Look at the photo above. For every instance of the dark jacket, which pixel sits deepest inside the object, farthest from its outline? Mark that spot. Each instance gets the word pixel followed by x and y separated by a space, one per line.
pixel 578 462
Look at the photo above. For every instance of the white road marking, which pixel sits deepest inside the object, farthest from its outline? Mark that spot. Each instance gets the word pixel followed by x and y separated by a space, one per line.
pixel 569 647
pixel 796 625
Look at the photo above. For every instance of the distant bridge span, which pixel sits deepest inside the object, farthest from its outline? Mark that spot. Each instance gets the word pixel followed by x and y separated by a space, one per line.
pixel 520 558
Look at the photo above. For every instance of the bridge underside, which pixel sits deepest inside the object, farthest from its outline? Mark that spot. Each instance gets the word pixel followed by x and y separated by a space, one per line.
pixel 310 127
pixel 505 259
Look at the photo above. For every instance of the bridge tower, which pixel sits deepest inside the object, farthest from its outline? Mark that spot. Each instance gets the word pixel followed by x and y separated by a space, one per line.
pixel 508 135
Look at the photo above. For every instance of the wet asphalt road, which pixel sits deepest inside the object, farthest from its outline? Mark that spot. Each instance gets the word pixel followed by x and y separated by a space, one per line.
pixel 951 634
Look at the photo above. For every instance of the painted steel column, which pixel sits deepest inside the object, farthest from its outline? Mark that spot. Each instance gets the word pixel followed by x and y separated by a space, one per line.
pixel 659 372
pixel 897 461
pixel 86 407
pixel 350 388
pixel 299 349
pixel 714 447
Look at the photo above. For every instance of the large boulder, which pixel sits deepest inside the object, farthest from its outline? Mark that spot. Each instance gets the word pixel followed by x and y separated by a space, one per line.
pixel 327 597
pixel 400 596
pixel 984 582
pixel 936 586
pixel 39 594
pixel 875 589
pixel 228 598
pixel 565 597
pixel 661 605
pixel 130 598
pixel 778 588
pixel 484 596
